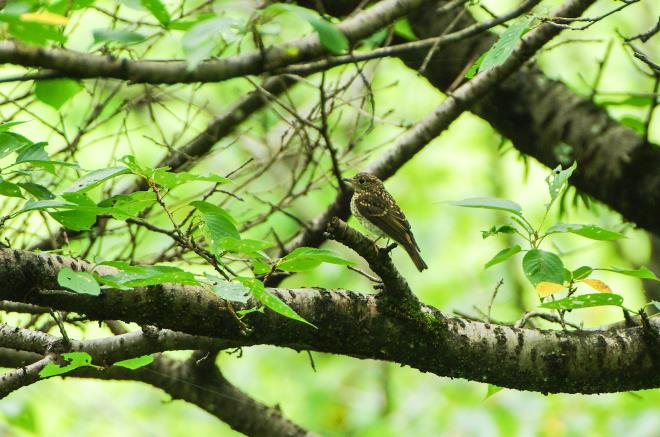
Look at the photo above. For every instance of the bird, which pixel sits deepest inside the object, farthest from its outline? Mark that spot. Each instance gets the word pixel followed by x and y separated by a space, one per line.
pixel 379 213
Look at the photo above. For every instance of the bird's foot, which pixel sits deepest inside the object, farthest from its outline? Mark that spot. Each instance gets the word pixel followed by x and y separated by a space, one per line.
pixel 382 251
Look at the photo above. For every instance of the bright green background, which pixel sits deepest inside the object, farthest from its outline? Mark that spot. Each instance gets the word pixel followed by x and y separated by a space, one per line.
pixel 346 396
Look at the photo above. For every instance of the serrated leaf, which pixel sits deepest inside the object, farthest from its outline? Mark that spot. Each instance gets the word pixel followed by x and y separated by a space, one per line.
pixel 506 44
pixel 246 246
pixel 305 258
pixel 581 272
pixel 76 360
pixel 557 180
pixel 643 272
pixel 158 10
pixel 503 255
pixel 80 282
pixel 123 206
pixel 95 178
pixel 233 291
pixel 218 224
pixel 585 301
pixel 597 285
pixel 56 92
pixel 142 276
pixel 505 229
pixel 271 301
pixel 126 37
pixel 544 289
pixel 542 266
pixel 489 203
pixel 588 231
pixel 135 363
pixel 169 179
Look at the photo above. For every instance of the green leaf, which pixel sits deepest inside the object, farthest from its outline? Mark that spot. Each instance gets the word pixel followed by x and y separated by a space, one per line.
pixel 76 359
pixel 270 300
pixel 490 203
pixel 10 189
pixel 634 123
pixel 403 28
pixel 643 272
pixel 247 246
pixel 41 205
pixel 472 71
pixel 557 180
pixel 123 206
pixel 75 220
pixel 56 92
pixel 542 266
pixel 330 36
pixel 34 152
pixel 492 389
pixel 38 191
pixel 637 101
pixel 585 301
pixel 169 179
pixel 135 363
pixel 506 44
pixel 10 143
pixel 505 229
pixel 589 231
pixel 305 258
pixel 80 282
pixel 502 255
pixel 218 224
pixel 581 272
pixel 158 10
pixel 233 291
pixel 141 276
pixel 36 33
pixel 4 127
pixel 125 37
pixel 201 40
pixel 95 178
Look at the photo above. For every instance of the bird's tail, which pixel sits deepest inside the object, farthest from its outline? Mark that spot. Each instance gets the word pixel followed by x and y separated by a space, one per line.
pixel 416 257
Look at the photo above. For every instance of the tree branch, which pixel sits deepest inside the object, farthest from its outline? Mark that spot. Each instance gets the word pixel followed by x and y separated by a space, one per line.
pixel 356 325
pixel 85 65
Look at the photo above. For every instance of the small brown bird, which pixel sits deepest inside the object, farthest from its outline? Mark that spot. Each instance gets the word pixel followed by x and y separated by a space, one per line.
pixel 377 211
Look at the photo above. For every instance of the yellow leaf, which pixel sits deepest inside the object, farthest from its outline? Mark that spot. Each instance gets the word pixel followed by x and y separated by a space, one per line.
pixel 597 285
pixel 545 289
pixel 45 18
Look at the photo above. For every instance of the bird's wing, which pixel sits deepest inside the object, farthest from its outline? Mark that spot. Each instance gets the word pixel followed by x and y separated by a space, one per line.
pixel 383 212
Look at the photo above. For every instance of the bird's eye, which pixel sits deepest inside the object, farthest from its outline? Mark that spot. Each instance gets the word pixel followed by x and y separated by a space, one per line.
pixel 361 180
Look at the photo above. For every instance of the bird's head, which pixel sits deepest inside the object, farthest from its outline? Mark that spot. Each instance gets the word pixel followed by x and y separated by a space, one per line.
pixel 365 182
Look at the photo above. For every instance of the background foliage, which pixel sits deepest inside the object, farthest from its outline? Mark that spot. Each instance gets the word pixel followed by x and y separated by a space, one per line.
pixel 343 396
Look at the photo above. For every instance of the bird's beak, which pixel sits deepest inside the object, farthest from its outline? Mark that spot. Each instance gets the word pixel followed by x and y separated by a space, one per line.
pixel 349 180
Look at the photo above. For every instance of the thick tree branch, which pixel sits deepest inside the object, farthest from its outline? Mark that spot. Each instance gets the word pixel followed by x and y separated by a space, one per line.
pixel 85 65
pixel 359 326
pixel 194 381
